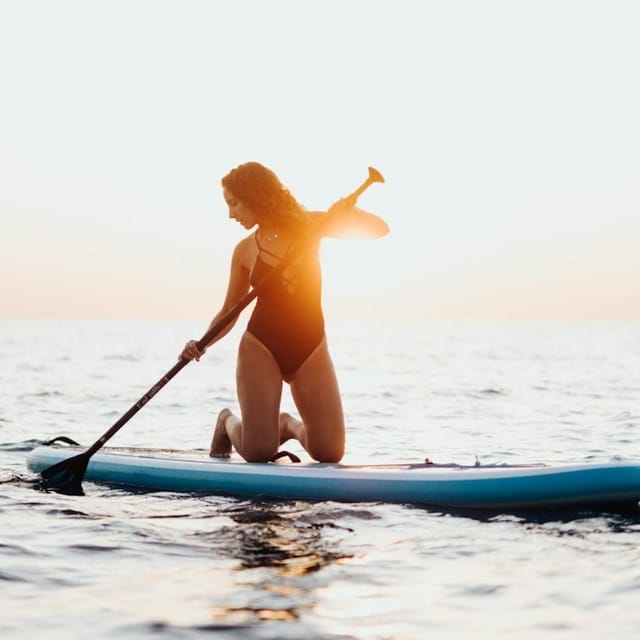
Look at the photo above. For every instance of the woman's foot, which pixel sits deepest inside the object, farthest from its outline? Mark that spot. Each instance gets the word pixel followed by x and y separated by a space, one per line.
pixel 289 428
pixel 220 443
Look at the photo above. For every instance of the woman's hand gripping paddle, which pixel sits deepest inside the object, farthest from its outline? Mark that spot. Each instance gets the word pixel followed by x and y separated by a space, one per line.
pixel 66 476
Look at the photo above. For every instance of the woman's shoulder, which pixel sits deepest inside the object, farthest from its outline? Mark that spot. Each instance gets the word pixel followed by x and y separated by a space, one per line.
pixel 245 251
pixel 317 219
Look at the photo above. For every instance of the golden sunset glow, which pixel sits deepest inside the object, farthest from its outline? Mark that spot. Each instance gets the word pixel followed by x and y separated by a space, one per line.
pixel 511 170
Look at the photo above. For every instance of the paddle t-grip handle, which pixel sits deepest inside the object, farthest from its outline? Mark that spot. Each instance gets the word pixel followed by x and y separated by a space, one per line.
pixel 374 176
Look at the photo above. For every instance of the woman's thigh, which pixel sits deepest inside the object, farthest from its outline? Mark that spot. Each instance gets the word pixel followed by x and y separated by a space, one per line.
pixel 317 396
pixel 259 387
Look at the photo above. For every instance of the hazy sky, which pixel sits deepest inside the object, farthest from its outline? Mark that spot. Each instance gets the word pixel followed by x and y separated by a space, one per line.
pixel 508 134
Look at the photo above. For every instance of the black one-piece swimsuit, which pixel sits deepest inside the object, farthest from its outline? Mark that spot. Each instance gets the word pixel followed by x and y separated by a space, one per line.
pixel 287 318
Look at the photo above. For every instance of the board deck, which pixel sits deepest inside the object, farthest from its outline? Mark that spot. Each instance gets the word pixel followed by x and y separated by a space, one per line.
pixel 449 485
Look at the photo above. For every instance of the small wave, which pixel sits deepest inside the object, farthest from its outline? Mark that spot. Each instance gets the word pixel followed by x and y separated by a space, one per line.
pixel 42 394
pixel 122 357
pixel 625 416
pixel 339 513
pixel 8 577
pixel 92 548
pixel 273 511
pixel 260 513
pixel 15 550
pixel 252 630
pixel 21 446
pixel 487 392
pixel 9 476
pixel 72 513
pixel 481 590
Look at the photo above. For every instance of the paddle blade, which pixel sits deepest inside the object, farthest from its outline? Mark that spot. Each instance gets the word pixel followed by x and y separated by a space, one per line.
pixel 65 476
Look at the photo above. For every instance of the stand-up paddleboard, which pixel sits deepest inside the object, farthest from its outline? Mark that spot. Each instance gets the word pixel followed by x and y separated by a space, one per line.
pixel 449 485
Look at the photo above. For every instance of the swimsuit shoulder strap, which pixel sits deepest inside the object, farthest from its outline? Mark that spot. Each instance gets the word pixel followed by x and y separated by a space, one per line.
pixel 263 249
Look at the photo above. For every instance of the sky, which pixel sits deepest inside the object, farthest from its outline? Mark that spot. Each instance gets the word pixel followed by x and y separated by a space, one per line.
pixel 508 134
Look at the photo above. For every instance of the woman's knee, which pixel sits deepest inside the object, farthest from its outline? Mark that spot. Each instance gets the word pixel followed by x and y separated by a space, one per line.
pixel 259 451
pixel 331 452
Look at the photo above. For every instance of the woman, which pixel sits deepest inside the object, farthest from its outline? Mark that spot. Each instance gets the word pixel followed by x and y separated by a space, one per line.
pixel 285 339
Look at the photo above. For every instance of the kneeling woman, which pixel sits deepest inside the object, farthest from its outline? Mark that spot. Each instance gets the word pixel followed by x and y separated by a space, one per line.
pixel 285 339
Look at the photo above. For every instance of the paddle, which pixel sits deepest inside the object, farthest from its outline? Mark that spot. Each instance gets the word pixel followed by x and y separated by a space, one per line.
pixel 66 476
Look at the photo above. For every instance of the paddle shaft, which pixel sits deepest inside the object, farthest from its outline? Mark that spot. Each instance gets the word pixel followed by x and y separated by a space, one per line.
pixel 66 475
pixel 214 330
pixel 211 333
pixel 202 343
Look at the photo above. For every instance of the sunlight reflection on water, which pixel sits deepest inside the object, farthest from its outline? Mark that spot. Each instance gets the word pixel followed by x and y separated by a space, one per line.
pixel 133 564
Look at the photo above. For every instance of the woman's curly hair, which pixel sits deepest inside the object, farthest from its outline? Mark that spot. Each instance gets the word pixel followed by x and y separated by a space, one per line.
pixel 261 190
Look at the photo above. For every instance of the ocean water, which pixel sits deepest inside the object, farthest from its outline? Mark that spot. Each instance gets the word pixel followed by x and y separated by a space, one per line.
pixel 119 564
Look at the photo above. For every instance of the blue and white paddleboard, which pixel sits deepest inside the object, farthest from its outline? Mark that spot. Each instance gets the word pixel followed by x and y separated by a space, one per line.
pixel 453 486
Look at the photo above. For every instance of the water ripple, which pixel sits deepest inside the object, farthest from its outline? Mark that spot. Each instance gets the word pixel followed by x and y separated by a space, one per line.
pixel 136 564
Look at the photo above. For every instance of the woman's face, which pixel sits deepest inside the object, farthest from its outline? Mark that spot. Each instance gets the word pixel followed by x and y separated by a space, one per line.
pixel 240 211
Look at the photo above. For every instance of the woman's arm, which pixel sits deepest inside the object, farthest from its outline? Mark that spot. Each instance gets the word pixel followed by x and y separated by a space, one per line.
pixel 237 288
pixel 341 221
